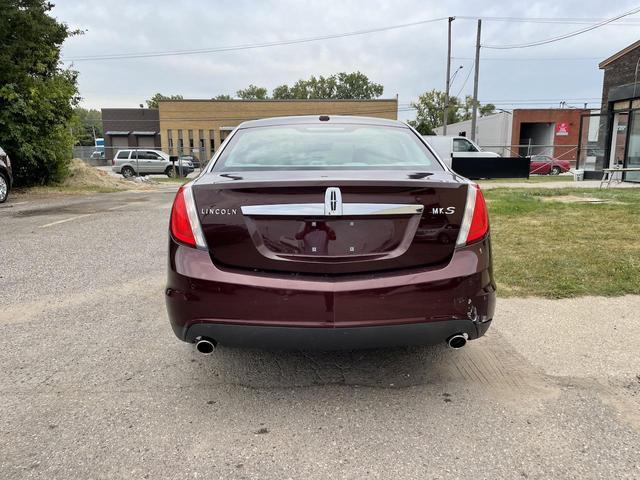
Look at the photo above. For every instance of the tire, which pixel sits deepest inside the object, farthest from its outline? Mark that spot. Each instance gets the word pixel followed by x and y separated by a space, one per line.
pixel 170 172
pixel 4 188
pixel 127 172
pixel 555 171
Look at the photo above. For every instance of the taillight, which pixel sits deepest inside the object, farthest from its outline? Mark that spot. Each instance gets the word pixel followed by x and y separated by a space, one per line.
pixel 475 222
pixel 184 224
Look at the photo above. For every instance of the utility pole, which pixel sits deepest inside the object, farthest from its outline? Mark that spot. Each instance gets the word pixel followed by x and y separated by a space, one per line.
pixel 446 92
pixel 474 111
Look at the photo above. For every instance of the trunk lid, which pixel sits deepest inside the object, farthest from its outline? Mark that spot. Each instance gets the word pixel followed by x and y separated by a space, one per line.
pixel 330 222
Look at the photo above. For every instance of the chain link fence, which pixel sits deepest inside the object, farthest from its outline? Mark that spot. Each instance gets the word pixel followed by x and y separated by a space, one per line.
pixel 145 161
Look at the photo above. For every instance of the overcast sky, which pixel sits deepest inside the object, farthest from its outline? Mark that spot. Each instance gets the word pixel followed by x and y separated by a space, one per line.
pixel 406 61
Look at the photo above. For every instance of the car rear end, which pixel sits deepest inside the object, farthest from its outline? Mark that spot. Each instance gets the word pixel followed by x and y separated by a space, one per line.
pixel 119 159
pixel 329 241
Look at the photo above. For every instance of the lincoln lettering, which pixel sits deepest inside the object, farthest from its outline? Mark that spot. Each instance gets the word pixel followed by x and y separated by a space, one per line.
pixel 219 211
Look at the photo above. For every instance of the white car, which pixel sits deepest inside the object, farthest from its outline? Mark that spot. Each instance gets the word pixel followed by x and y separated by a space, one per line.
pixel 146 162
pixel 449 146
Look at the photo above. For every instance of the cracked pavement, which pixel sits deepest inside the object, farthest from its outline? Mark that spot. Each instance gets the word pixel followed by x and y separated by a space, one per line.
pixel 95 385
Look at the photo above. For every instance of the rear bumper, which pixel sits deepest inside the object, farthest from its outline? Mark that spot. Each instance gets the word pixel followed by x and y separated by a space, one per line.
pixel 420 307
pixel 302 338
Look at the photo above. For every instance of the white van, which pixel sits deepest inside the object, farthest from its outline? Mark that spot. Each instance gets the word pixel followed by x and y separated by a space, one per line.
pixel 448 146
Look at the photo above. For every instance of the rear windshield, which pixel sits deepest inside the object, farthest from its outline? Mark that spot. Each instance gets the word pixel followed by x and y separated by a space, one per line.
pixel 325 147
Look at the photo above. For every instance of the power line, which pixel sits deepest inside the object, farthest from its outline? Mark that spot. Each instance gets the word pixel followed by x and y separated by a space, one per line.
pixel 403 107
pixel 118 56
pixel 166 53
pixel 557 20
pixel 531 59
pixel 466 78
pixel 575 99
pixel 565 36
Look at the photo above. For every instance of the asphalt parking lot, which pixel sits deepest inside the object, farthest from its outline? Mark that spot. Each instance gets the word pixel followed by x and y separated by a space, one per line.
pixel 95 385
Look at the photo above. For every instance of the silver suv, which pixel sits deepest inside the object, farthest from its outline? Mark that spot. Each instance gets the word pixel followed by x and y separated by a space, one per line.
pixel 145 162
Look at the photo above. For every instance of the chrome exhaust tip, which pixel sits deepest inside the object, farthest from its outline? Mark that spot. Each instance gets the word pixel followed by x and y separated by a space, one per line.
pixel 205 346
pixel 457 341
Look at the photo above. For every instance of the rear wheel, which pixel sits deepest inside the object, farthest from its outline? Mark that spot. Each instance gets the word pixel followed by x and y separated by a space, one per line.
pixel 4 188
pixel 127 172
pixel 555 171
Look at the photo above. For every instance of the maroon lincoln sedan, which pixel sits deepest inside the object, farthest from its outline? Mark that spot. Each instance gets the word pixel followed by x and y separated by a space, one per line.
pixel 328 233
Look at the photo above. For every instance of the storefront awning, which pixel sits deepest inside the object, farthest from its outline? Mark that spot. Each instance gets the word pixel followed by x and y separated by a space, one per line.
pixel 140 133
pixel 117 132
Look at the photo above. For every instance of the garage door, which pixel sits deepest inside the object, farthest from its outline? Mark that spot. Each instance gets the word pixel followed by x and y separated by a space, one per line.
pixel 118 142
pixel 146 141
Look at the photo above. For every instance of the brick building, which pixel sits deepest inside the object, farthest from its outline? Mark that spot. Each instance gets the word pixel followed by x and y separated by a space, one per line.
pixel 526 131
pixel 612 138
pixel 548 131
pixel 198 127
pixel 130 127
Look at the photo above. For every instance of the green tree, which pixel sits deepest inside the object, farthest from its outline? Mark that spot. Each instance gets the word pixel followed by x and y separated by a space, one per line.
pixel 158 97
pixel 342 85
pixel 37 95
pixel 252 93
pixel 357 85
pixel 282 92
pixel 222 96
pixel 467 109
pixel 85 125
pixel 430 110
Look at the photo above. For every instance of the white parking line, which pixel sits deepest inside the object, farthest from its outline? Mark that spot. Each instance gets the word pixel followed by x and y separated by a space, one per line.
pixel 65 220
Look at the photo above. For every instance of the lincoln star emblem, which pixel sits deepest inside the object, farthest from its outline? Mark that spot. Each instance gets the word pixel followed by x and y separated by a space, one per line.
pixel 333 201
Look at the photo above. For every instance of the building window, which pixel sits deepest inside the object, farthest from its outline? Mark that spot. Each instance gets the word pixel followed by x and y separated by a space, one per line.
pixel 212 141
pixel 180 142
pixel 170 138
pixel 201 139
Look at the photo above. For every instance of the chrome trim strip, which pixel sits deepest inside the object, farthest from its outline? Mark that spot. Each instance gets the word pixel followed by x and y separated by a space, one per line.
pixel 381 209
pixel 192 213
pixel 318 209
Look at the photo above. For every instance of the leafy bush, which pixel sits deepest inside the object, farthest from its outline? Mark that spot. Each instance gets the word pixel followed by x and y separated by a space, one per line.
pixel 37 95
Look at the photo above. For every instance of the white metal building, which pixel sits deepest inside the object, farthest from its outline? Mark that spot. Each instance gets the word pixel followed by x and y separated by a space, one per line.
pixel 493 132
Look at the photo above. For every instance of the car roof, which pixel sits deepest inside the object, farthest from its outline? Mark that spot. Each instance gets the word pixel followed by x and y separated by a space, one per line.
pixel 315 119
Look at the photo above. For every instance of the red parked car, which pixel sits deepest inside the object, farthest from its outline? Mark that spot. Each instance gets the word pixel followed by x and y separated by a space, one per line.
pixel 547 165
pixel 328 233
